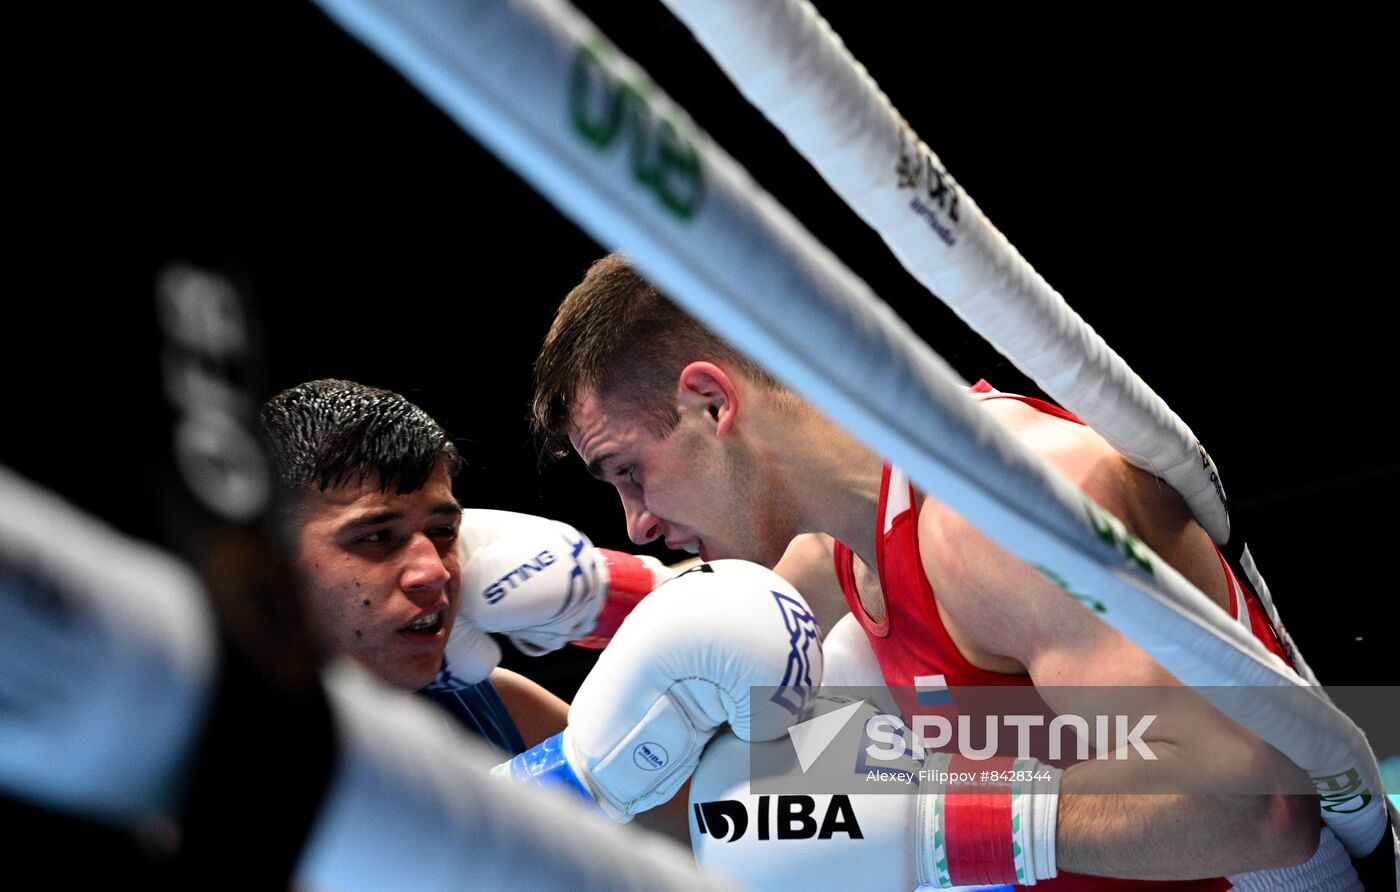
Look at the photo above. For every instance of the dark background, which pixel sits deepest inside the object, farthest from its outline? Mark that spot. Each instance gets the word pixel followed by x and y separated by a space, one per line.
pixel 1197 189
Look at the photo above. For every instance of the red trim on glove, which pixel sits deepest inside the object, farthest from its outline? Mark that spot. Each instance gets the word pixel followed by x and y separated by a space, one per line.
pixel 977 825
pixel 629 581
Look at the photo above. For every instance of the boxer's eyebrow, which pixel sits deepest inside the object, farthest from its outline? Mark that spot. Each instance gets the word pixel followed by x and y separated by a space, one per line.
pixel 371 519
pixel 374 518
pixel 595 467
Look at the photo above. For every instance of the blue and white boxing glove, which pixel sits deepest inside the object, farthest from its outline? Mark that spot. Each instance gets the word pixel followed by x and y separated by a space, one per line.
pixel 685 662
pixel 541 583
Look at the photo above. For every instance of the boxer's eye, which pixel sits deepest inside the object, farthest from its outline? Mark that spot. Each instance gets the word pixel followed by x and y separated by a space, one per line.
pixel 629 472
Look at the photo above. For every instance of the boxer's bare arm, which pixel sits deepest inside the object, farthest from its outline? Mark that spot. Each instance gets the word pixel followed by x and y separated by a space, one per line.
pixel 1005 614
pixel 671 818
pixel 537 713
pixel 807 564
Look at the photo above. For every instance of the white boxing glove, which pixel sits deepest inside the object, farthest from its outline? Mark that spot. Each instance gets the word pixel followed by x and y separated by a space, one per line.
pixel 820 832
pixel 471 654
pixel 539 581
pixel 851 667
pixel 850 661
pixel 815 839
pixel 681 665
pixel 542 584
pixel 813 842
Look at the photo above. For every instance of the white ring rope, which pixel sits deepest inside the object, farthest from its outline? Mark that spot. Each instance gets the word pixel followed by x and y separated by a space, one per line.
pixel 540 87
pixel 786 60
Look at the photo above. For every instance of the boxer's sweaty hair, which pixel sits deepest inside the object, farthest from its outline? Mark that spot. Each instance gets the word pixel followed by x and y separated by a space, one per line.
pixel 329 432
pixel 619 336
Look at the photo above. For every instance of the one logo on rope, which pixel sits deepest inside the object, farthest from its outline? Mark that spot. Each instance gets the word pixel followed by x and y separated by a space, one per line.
pixel 1208 465
pixel 1111 530
pixel 1342 793
pixel 936 193
pixel 1093 604
pixel 607 110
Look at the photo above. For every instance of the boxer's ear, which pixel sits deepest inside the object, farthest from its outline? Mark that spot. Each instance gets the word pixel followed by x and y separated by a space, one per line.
pixel 707 389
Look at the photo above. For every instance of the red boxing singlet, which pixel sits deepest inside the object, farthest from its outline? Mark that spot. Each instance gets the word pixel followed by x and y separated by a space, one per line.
pixel 911 641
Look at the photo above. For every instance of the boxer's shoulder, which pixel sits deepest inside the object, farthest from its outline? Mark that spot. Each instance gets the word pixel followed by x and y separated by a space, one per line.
pixel 1076 451
pixel 809 566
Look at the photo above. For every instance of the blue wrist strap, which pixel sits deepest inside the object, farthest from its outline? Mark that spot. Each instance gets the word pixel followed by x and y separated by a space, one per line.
pixel 544 764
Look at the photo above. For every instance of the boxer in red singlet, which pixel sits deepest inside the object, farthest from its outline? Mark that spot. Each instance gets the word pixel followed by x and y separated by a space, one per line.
pixel 711 454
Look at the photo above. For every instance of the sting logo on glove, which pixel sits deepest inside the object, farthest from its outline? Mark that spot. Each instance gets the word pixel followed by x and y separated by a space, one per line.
pixel 498 589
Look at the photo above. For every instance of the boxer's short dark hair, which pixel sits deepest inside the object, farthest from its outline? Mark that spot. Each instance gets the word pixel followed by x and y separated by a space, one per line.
pixel 330 432
pixel 619 336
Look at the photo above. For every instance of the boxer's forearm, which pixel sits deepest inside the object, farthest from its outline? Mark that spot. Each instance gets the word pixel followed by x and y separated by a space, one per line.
pixel 671 818
pixel 1176 836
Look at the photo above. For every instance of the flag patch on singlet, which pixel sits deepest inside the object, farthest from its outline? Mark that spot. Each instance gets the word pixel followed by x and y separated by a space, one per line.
pixel 932 690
